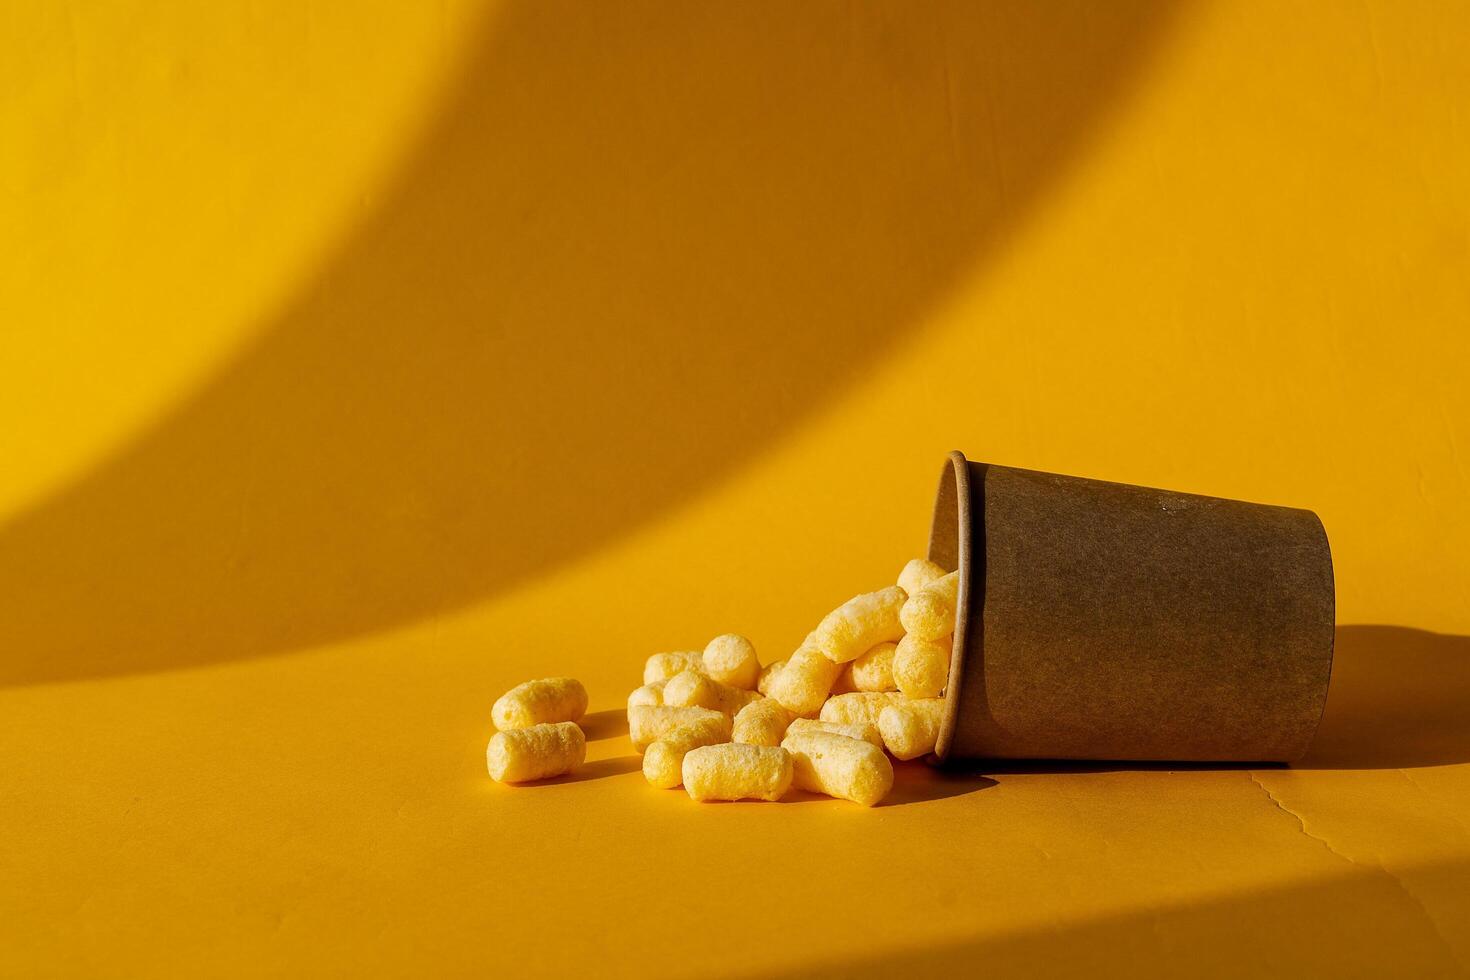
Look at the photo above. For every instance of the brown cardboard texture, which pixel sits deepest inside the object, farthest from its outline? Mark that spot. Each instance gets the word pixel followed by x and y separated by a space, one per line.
pixel 1098 620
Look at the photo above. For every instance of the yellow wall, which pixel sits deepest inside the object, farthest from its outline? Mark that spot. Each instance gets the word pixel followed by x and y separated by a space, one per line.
pixel 364 359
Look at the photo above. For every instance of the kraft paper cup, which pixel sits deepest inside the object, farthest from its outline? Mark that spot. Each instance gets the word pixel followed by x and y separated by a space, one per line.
pixel 1103 621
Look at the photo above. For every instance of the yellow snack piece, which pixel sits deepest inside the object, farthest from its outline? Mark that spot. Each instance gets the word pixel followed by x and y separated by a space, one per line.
pixel 540 702
pixel 663 763
pixel 730 659
pixel 921 667
pixel 805 681
pixel 846 768
pixel 910 729
pixel 768 674
pixel 647 694
pixel 700 690
pixel 929 613
pixel 862 731
pixel 662 666
pixel 861 623
pixel 861 708
pixel 843 684
pixel 873 671
pixel 919 573
pixel 647 723
pixel 762 722
pixel 737 772
pixel 538 752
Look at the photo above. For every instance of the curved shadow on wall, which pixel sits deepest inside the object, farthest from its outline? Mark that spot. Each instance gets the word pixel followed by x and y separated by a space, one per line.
pixel 642 240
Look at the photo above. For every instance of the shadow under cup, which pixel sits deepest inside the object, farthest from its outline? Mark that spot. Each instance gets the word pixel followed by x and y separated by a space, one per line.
pixel 1098 620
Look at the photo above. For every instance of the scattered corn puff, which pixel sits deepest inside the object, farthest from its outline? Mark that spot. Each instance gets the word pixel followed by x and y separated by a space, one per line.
pixel 538 752
pixel 847 768
pixel 700 690
pixel 663 763
pixel 647 723
pixel 541 702
pixel 767 675
pixel 910 729
pixel 861 708
pixel 873 671
pixel 730 659
pixel 647 694
pixel 762 722
pixel 919 573
pixel 921 667
pixel 861 623
pixel 930 613
pixel 662 666
pixel 737 772
pixel 863 731
pixel 804 683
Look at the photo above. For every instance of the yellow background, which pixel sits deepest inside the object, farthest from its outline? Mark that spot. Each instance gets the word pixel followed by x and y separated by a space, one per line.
pixel 358 361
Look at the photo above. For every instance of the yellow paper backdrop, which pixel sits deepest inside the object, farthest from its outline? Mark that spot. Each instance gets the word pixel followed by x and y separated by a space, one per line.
pixel 358 361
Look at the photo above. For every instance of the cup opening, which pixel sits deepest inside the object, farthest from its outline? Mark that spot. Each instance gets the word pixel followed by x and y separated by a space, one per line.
pixel 950 545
